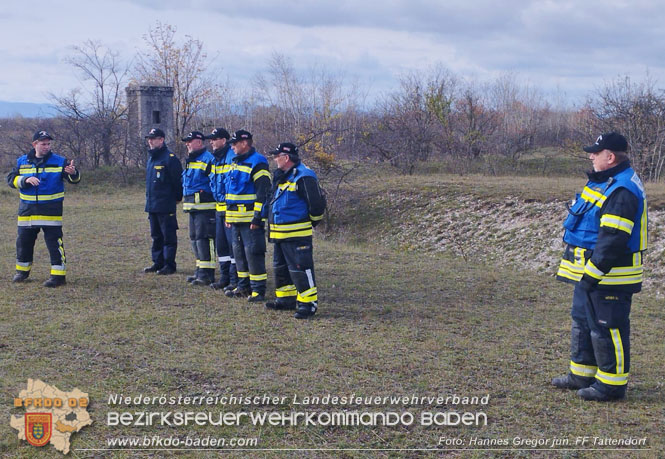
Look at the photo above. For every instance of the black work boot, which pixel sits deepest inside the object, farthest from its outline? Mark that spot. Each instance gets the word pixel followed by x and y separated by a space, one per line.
pixel 219 285
pixel 152 269
pixel 571 382
pixel 255 297
pixel 20 276
pixel 194 276
pixel 305 310
pixel 166 271
pixel 593 394
pixel 55 281
pixel 277 306
pixel 238 293
pixel 201 281
pixel 206 277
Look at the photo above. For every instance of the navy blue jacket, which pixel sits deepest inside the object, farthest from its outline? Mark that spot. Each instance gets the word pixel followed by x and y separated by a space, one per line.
pixel 163 181
pixel 606 232
pixel 297 204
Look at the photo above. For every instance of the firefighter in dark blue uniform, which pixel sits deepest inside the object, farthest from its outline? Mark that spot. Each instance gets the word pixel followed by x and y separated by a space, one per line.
pixel 297 205
pixel 247 188
pixel 39 176
pixel 606 234
pixel 199 202
pixel 163 190
pixel 221 150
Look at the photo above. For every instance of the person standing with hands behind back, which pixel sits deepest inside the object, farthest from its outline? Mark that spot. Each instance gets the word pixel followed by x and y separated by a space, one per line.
pixel 39 176
pixel 247 188
pixel 163 190
pixel 200 204
pixel 221 150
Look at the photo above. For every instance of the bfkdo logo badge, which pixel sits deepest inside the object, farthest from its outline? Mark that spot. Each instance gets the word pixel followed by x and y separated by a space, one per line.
pixel 38 428
pixel 46 415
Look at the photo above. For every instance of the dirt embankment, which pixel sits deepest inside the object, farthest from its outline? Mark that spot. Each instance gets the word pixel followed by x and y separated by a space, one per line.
pixel 512 231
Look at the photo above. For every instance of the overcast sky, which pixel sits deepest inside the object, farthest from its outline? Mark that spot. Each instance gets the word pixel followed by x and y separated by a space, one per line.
pixel 565 47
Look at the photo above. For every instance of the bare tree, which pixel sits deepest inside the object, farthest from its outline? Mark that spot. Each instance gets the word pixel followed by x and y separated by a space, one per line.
pixel 17 132
pixel 184 66
pixel 280 91
pixel 521 111
pixel 221 109
pixel 637 110
pixel 440 95
pixel 312 108
pixel 94 114
pixel 407 123
pixel 475 122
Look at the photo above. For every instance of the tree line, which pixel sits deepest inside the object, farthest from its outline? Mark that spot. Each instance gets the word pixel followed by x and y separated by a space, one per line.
pixel 434 115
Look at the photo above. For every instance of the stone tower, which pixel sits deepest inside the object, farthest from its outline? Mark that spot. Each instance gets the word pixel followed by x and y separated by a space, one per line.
pixel 148 107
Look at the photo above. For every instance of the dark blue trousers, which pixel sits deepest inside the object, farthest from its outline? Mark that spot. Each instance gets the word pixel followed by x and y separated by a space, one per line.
pixel 202 238
pixel 228 274
pixel 600 339
pixel 249 249
pixel 25 247
pixel 163 231
pixel 293 263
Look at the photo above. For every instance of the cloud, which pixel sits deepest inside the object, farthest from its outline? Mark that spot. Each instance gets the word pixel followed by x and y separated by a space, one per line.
pixel 568 43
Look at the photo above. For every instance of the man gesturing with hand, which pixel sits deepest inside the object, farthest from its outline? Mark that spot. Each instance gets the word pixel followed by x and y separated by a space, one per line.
pixel 39 176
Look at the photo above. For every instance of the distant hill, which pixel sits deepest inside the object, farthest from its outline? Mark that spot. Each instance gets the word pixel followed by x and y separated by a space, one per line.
pixel 26 110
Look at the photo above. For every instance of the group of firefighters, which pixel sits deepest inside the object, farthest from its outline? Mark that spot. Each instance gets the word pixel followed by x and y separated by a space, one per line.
pixel 229 195
pixel 231 199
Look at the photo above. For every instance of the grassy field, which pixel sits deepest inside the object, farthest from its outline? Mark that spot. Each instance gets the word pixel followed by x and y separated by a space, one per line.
pixel 390 323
